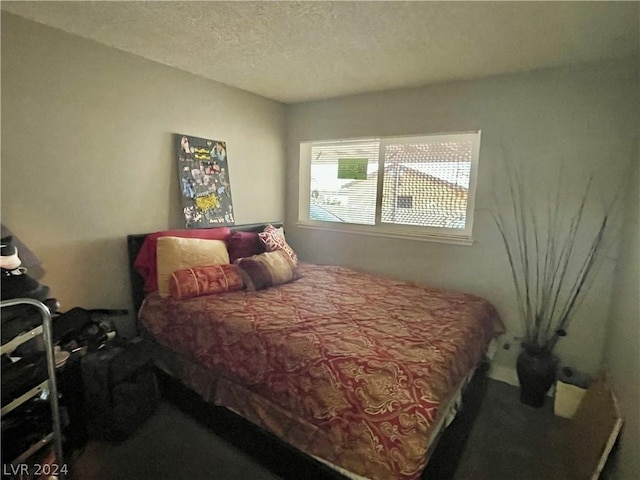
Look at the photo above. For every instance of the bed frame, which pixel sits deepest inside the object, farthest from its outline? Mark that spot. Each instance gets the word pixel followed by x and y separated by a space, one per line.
pixel 445 455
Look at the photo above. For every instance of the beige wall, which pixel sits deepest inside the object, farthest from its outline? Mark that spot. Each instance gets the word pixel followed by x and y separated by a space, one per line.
pixel 622 355
pixel 586 115
pixel 88 157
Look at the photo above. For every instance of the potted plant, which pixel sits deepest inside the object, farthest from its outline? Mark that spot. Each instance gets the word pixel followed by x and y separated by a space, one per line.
pixel 552 257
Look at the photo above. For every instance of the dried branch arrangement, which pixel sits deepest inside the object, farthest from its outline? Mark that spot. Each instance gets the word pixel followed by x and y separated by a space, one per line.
pixel 551 255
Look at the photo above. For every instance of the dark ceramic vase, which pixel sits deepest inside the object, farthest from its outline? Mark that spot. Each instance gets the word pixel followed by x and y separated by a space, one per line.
pixel 536 369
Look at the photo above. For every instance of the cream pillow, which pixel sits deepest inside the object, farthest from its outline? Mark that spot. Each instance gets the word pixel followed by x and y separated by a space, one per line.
pixel 175 253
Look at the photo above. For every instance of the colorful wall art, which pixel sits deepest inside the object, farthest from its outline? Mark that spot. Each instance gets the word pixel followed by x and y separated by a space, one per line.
pixel 204 181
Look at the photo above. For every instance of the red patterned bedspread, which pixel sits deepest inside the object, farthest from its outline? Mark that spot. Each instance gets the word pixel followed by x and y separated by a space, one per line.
pixel 344 365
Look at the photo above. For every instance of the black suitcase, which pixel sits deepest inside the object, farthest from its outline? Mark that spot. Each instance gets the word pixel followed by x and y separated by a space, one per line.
pixel 120 390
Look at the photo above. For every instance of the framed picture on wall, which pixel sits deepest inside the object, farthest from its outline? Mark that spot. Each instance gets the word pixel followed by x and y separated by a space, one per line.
pixel 204 182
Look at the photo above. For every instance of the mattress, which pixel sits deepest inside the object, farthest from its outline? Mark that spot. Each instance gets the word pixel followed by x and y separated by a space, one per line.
pixel 351 368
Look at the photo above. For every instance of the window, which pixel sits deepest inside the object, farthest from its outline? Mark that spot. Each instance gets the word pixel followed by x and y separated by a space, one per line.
pixel 405 201
pixel 402 186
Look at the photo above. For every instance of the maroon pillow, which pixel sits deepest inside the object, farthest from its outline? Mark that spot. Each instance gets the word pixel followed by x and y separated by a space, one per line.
pixel 244 244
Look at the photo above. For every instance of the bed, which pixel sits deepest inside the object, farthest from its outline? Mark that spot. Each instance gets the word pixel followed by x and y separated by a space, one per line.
pixel 359 371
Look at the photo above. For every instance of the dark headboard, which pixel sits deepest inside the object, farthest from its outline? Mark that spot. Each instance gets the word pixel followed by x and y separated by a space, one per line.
pixel 134 244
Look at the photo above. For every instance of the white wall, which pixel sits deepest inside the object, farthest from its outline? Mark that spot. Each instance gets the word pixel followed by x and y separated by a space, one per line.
pixel 88 154
pixel 586 115
pixel 622 353
pixel 87 158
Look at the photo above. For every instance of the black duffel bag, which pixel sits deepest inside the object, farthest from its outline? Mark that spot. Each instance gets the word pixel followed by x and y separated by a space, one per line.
pixel 120 390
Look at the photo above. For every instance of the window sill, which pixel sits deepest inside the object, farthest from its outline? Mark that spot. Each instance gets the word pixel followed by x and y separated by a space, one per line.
pixel 382 232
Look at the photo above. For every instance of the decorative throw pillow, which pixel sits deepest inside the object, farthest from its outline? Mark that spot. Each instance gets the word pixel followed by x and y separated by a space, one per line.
pixel 244 244
pixel 267 269
pixel 174 253
pixel 146 261
pixel 199 281
pixel 274 239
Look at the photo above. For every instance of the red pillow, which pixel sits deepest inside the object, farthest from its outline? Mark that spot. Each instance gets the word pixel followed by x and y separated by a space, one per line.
pixel 199 281
pixel 146 260
pixel 244 244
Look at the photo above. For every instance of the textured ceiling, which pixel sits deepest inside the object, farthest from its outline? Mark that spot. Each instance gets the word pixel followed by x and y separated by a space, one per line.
pixel 299 51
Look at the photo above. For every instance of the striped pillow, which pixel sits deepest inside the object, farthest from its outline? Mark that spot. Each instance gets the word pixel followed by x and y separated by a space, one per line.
pixel 267 270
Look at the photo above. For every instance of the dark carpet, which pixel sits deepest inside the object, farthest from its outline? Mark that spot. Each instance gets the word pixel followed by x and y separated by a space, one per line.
pixel 494 438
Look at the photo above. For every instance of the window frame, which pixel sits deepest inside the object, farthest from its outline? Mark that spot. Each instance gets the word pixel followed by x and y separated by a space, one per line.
pixel 415 232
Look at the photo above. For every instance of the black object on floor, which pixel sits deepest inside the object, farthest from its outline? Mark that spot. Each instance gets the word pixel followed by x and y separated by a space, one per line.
pixel 81 327
pixel 120 390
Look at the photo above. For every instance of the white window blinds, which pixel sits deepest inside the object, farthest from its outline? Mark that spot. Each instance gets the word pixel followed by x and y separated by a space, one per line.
pixel 426 183
pixel 426 186
pixel 346 200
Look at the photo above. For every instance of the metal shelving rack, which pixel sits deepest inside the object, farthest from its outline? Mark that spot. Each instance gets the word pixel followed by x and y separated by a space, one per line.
pixel 45 329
